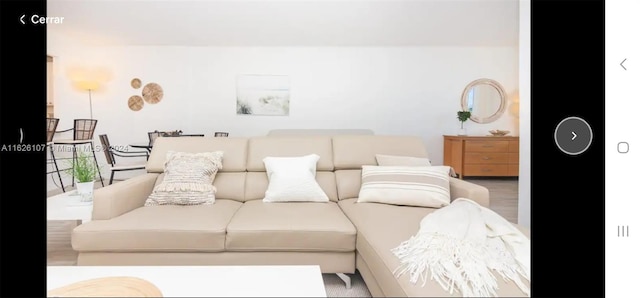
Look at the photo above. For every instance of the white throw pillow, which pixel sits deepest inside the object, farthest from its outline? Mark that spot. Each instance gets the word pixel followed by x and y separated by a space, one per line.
pixel 188 179
pixel 293 179
pixel 406 185
pixel 396 160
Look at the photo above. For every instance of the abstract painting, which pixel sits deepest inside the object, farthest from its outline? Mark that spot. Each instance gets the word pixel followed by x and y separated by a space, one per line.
pixel 262 95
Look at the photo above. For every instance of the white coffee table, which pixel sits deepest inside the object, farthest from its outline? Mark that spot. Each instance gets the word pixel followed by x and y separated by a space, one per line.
pixel 206 281
pixel 67 206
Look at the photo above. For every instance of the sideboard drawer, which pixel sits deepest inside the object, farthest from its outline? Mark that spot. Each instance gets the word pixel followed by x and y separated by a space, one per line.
pixel 486 158
pixel 486 170
pixel 514 169
pixel 487 146
pixel 514 146
pixel 482 155
pixel 514 158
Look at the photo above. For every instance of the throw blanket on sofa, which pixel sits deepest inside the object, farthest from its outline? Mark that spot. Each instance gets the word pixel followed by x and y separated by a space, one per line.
pixel 461 245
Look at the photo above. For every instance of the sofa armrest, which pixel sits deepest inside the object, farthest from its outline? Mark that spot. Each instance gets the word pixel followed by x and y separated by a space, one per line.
pixel 463 189
pixel 122 197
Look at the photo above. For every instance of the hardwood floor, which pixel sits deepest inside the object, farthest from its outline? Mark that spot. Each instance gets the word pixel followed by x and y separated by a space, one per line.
pixel 59 250
pixel 504 195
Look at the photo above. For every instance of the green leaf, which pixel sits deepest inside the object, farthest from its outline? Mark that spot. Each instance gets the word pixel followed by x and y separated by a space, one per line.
pixel 84 169
pixel 464 116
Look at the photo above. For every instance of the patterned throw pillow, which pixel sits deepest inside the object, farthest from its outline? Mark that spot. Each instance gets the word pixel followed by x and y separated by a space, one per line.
pixel 406 185
pixel 188 179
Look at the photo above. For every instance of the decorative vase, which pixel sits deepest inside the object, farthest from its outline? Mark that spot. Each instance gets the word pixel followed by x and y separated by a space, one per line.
pixel 85 190
pixel 462 131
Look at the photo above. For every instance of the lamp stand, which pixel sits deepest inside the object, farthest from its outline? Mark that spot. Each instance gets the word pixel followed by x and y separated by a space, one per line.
pixel 90 105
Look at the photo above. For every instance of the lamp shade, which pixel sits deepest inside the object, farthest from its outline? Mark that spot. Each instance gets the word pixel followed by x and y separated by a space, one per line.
pixel 87 85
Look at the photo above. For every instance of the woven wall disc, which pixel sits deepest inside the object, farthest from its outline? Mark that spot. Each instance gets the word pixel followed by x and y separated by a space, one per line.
pixel 136 83
pixel 152 93
pixel 135 103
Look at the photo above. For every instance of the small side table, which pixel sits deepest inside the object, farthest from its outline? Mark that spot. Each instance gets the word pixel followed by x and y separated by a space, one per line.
pixel 67 206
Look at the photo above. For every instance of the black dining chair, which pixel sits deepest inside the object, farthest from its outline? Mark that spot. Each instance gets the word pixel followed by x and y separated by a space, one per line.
pixel 110 152
pixel 52 125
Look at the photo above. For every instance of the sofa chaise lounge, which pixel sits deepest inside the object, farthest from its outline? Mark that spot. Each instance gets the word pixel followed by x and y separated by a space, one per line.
pixel 240 229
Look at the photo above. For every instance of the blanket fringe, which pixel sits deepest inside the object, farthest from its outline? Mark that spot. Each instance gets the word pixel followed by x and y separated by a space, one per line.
pixel 458 265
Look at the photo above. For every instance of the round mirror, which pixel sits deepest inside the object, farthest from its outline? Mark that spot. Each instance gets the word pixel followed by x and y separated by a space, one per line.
pixel 485 99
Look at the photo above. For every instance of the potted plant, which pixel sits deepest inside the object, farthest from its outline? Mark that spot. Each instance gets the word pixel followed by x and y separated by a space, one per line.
pixel 84 171
pixel 462 117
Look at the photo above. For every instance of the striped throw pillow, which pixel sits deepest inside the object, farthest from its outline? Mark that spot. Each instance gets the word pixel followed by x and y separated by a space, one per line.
pixel 395 160
pixel 406 185
pixel 188 179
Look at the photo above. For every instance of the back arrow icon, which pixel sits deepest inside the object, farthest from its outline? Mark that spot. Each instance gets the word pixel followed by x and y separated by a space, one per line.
pixel 22 19
pixel 625 59
pixel 574 135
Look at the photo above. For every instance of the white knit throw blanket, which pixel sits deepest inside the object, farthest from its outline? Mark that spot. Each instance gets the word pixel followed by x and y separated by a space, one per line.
pixel 459 246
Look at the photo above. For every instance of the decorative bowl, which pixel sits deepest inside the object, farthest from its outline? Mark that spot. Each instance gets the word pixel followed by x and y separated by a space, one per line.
pixel 499 133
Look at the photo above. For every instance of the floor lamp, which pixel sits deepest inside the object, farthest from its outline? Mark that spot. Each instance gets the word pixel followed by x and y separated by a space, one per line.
pixel 89 86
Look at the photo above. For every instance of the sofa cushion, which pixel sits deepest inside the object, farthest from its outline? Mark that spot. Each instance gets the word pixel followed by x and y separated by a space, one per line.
pixel 352 152
pixel 235 151
pixel 257 183
pixel 165 228
pixel 426 186
pixel 398 160
pixel 295 226
pixel 283 146
pixel 348 183
pixel 229 185
pixel 293 179
pixel 189 179
pixel 383 227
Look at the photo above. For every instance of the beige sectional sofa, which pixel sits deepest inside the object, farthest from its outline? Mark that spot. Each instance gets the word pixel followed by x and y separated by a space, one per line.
pixel 240 229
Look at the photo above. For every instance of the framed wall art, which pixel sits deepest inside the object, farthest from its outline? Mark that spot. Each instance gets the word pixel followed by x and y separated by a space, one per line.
pixel 262 95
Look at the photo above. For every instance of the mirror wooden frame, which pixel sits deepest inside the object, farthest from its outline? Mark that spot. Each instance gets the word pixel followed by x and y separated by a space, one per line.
pixel 498 112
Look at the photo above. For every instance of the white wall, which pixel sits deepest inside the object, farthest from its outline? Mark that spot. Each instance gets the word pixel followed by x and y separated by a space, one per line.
pixel 391 90
pixel 524 185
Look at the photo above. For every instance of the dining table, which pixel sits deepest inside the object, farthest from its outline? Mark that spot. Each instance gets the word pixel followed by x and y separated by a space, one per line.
pixel 145 146
pixel 148 146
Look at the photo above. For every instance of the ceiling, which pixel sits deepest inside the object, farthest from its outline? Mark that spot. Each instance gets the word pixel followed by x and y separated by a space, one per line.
pixel 288 23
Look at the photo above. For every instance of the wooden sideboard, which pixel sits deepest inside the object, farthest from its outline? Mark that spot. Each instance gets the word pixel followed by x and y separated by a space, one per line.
pixel 482 155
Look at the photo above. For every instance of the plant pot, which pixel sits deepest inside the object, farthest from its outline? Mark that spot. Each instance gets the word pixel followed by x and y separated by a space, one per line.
pixel 462 131
pixel 85 190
